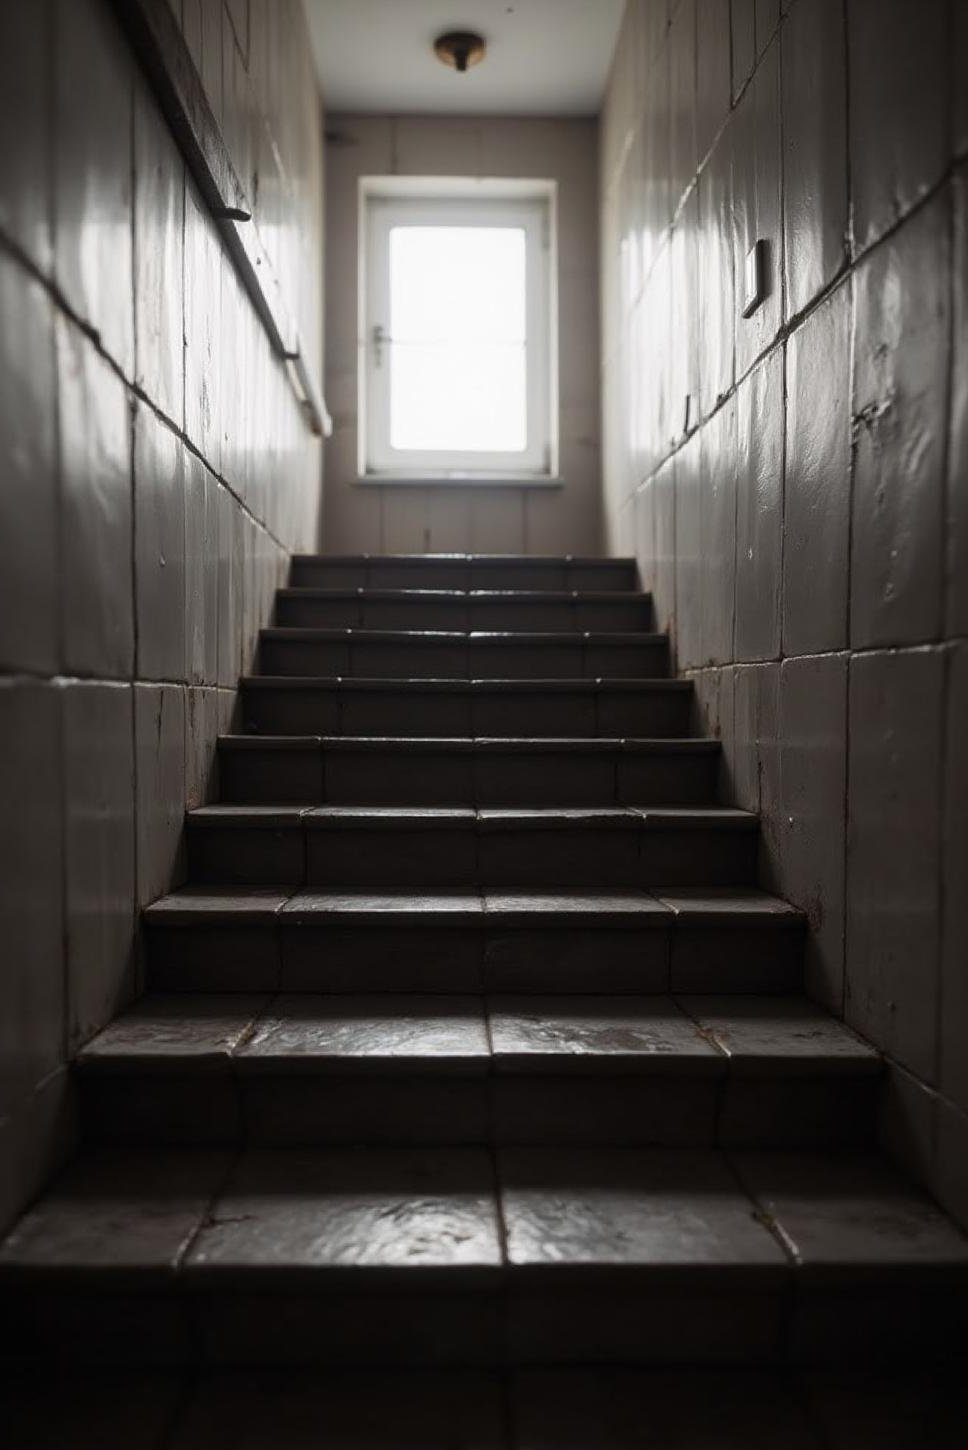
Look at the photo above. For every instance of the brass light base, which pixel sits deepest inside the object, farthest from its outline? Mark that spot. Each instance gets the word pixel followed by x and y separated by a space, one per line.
pixel 460 49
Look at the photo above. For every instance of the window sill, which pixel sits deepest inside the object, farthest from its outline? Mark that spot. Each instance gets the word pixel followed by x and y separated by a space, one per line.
pixel 459 480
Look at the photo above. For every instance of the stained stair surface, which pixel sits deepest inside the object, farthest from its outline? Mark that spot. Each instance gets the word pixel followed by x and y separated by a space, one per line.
pixel 472 1044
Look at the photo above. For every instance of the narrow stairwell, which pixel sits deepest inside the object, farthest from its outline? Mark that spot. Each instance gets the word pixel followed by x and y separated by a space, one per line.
pixel 472 1042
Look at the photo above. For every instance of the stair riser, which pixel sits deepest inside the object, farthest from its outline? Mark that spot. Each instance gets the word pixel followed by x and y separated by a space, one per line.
pixel 459 661
pixel 575 956
pixel 351 857
pixel 280 710
pixel 216 1327
pixel 611 1316
pixel 459 574
pixel 293 1106
pixel 399 778
pixel 553 616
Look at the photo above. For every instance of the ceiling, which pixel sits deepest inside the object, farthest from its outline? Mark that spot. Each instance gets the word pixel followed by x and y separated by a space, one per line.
pixel 545 57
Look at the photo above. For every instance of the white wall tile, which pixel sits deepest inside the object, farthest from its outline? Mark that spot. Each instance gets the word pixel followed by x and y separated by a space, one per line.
pixel 159 507
pixel 93 541
pixel 93 97
pixel 97 608
pixel 29 562
pixel 159 226
pixel 31 887
pixel 894 853
pixel 99 844
pixel 25 150
pixel 159 726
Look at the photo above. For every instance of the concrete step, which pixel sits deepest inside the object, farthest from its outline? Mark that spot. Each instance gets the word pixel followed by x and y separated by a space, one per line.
pixel 524 1256
pixel 462 571
pixel 361 770
pixel 548 610
pixel 215 939
pixel 431 846
pixel 460 1070
pixel 280 705
pixel 436 655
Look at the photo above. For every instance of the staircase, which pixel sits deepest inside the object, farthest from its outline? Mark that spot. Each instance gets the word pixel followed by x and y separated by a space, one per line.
pixel 472 1042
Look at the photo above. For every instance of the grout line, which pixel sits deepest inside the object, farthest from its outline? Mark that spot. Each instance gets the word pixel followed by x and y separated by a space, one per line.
pixel 784 300
pixel 944 805
pixel 956 210
pixel 792 1377
pixel 850 265
pixel 50 61
pixel 849 242
pixel 189 1303
pixel 66 1052
pixel 788 1292
pixel 175 1419
pixel 846 652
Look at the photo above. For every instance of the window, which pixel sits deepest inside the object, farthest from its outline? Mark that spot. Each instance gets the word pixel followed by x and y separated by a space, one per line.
pixel 456 333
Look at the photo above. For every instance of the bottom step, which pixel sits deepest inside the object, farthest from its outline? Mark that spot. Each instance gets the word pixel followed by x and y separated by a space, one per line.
pixel 461 1257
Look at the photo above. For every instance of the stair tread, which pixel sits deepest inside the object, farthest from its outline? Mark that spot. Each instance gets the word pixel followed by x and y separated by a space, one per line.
pixel 719 905
pixel 410 1032
pixel 484 744
pixel 747 906
pixel 313 634
pixel 659 817
pixel 595 561
pixel 307 906
pixel 485 596
pixel 675 1216
pixel 200 904
pixel 450 685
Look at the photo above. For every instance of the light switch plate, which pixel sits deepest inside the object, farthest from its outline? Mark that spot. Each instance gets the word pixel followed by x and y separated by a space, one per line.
pixel 754 289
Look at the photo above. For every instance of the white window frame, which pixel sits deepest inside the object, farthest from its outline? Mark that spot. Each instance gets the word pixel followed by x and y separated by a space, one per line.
pixel 390 202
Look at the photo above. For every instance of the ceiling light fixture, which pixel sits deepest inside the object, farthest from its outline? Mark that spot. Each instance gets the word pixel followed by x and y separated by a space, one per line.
pixel 460 49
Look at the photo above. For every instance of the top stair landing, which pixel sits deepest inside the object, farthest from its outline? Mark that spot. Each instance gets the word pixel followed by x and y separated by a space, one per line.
pixel 462 571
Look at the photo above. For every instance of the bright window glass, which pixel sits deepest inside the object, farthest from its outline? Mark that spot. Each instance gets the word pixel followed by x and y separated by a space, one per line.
pixel 458 339
pixel 457 332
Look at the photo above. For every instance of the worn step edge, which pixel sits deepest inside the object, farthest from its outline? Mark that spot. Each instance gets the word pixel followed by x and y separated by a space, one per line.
pixel 489 1034
pixel 483 744
pixel 578 684
pixel 376 594
pixel 487 818
pixel 595 561
pixel 766 1243
pixel 503 638
pixel 498 1069
pixel 682 906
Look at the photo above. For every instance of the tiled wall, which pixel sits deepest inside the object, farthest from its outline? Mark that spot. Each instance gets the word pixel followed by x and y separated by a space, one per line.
pixel 444 518
pixel 794 485
pixel 155 473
